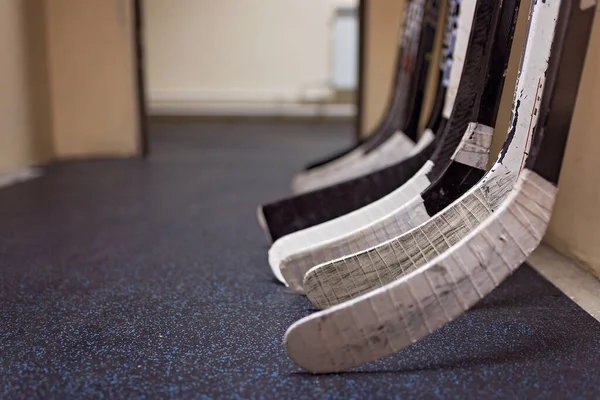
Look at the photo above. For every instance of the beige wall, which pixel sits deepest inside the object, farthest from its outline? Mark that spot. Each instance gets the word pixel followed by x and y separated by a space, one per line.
pixel 575 225
pixel 92 80
pixel 24 115
pixel 67 82
pixel 383 18
pixel 238 51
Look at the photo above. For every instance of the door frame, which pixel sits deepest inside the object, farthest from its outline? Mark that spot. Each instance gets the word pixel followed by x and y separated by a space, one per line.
pixel 138 38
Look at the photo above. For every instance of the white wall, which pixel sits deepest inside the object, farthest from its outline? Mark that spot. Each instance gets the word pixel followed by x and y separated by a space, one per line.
pixel 238 50
pixel 345 52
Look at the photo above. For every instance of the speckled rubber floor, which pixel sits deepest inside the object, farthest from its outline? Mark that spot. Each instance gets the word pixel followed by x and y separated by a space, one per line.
pixel 131 279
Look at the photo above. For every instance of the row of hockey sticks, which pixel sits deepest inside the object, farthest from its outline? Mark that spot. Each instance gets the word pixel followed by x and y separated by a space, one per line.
pixel 395 239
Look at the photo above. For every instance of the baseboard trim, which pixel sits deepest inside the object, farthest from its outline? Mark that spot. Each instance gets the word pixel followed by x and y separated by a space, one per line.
pixel 156 108
pixel 22 175
pixel 306 93
pixel 579 285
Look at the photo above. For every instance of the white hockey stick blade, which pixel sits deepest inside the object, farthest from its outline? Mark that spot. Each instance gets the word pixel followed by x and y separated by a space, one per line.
pixel 473 150
pixel 395 149
pixel 393 317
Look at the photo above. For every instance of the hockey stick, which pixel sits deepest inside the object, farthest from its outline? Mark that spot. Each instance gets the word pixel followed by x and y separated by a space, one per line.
pixel 455 42
pixel 400 97
pixel 327 284
pixel 403 312
pixel 466 168
pixel 421 21
pixel 308 209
